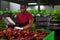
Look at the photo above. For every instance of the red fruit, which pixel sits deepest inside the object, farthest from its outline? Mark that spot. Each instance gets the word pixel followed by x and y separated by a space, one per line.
pixel 9 30
pixel 42 36
pixel 46 33
pixel 26 35
pixel 19 32
pixel 11 38
pixel 18 38
pixel 28 39
pixel 1 34
pixel 14 31
pixel 21 38
pixel 38 38
pixel 4 31
pixel 24 31
pixel 35 35
pixel 28 32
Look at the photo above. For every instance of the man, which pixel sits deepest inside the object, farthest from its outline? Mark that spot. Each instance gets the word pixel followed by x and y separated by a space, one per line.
pixel 24 18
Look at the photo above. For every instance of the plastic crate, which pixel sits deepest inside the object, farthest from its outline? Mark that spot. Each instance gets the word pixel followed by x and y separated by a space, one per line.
pixel 50 36
pixel 43 19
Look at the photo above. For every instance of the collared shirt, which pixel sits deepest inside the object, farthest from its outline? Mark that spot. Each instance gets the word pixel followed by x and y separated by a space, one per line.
pixel 24 18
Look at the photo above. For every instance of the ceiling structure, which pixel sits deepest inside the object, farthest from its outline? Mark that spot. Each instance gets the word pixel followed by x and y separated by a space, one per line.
pixel 42 2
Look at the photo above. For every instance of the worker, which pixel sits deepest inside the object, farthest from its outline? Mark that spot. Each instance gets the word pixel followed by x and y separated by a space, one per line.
pixel 24 18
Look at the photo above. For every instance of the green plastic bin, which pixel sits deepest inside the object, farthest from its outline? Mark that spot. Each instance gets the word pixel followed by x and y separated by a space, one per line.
pixel 50 36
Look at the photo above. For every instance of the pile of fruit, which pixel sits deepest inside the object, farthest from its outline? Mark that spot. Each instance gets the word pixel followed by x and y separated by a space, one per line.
pixel 15 34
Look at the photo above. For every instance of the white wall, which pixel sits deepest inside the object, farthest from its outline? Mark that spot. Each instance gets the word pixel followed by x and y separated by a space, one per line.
pixel 14 6
pixel 42 7
pixel 47 7
pixel 57 6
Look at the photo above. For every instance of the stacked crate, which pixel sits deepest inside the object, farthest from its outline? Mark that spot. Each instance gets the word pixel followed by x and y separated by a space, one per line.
pixel 42 22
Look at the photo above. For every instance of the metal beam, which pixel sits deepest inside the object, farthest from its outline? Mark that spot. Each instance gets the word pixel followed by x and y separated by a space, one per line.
pixel 55 2
pixel 38 6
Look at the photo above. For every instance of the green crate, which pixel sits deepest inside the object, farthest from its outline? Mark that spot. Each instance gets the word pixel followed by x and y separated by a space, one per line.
pixel 50 36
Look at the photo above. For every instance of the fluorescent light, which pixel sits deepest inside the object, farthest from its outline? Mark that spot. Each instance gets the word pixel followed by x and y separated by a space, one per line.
pixel 41 7
pixel 32 3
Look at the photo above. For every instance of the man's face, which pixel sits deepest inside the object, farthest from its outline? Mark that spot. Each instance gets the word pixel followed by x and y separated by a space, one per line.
pixel 23 8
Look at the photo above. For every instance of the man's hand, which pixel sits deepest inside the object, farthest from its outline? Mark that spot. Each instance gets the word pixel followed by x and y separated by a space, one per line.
pixel 18 28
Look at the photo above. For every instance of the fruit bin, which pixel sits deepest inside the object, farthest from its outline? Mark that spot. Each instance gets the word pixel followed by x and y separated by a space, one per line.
pixel 50 36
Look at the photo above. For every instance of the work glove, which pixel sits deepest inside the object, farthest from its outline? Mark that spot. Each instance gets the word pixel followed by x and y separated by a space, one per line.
pixel 20 28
